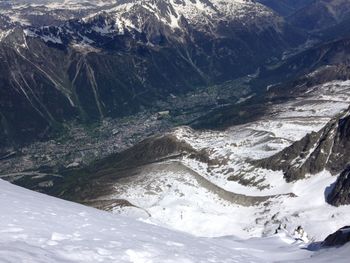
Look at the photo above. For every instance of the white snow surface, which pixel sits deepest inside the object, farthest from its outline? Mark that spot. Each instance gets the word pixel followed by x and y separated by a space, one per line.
pixel 36 228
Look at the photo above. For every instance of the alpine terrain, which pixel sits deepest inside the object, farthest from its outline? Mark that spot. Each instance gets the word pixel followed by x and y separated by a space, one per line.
pixel 174 131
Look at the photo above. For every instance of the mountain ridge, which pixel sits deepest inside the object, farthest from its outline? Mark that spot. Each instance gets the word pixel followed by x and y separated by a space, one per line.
pixel 101 56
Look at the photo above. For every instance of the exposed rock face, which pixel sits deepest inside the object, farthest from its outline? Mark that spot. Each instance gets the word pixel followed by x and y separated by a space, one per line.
pixel 327 149
pixel 340 194
pixel 338 238
pixel 309 155
pixel 148 151
pixel 340 157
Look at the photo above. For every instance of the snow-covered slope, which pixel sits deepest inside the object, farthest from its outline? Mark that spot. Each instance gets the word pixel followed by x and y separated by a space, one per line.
pixel 38 228
pixel 41 229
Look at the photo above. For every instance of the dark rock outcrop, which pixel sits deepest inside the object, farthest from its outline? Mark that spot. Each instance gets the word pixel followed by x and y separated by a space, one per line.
pixel 339 238
pixel 327 149
pixel 98 178
pixel 340 193
pixel 309 155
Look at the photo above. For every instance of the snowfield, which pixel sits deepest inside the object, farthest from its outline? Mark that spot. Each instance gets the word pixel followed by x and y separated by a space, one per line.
pixel 36 228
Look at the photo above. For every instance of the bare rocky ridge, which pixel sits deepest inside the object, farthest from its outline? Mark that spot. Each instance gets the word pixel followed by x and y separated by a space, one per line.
pixel 97 184
pixel 326 149
pixel 307 156
pixel 97 179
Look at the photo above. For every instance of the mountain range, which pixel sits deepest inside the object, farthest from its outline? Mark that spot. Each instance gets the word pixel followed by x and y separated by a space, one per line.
pixel 124 58
pixel 190 115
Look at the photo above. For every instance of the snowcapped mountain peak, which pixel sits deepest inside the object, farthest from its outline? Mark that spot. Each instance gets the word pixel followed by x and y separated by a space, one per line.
pixel 152 21
pixel 164 17
pixel 194 11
